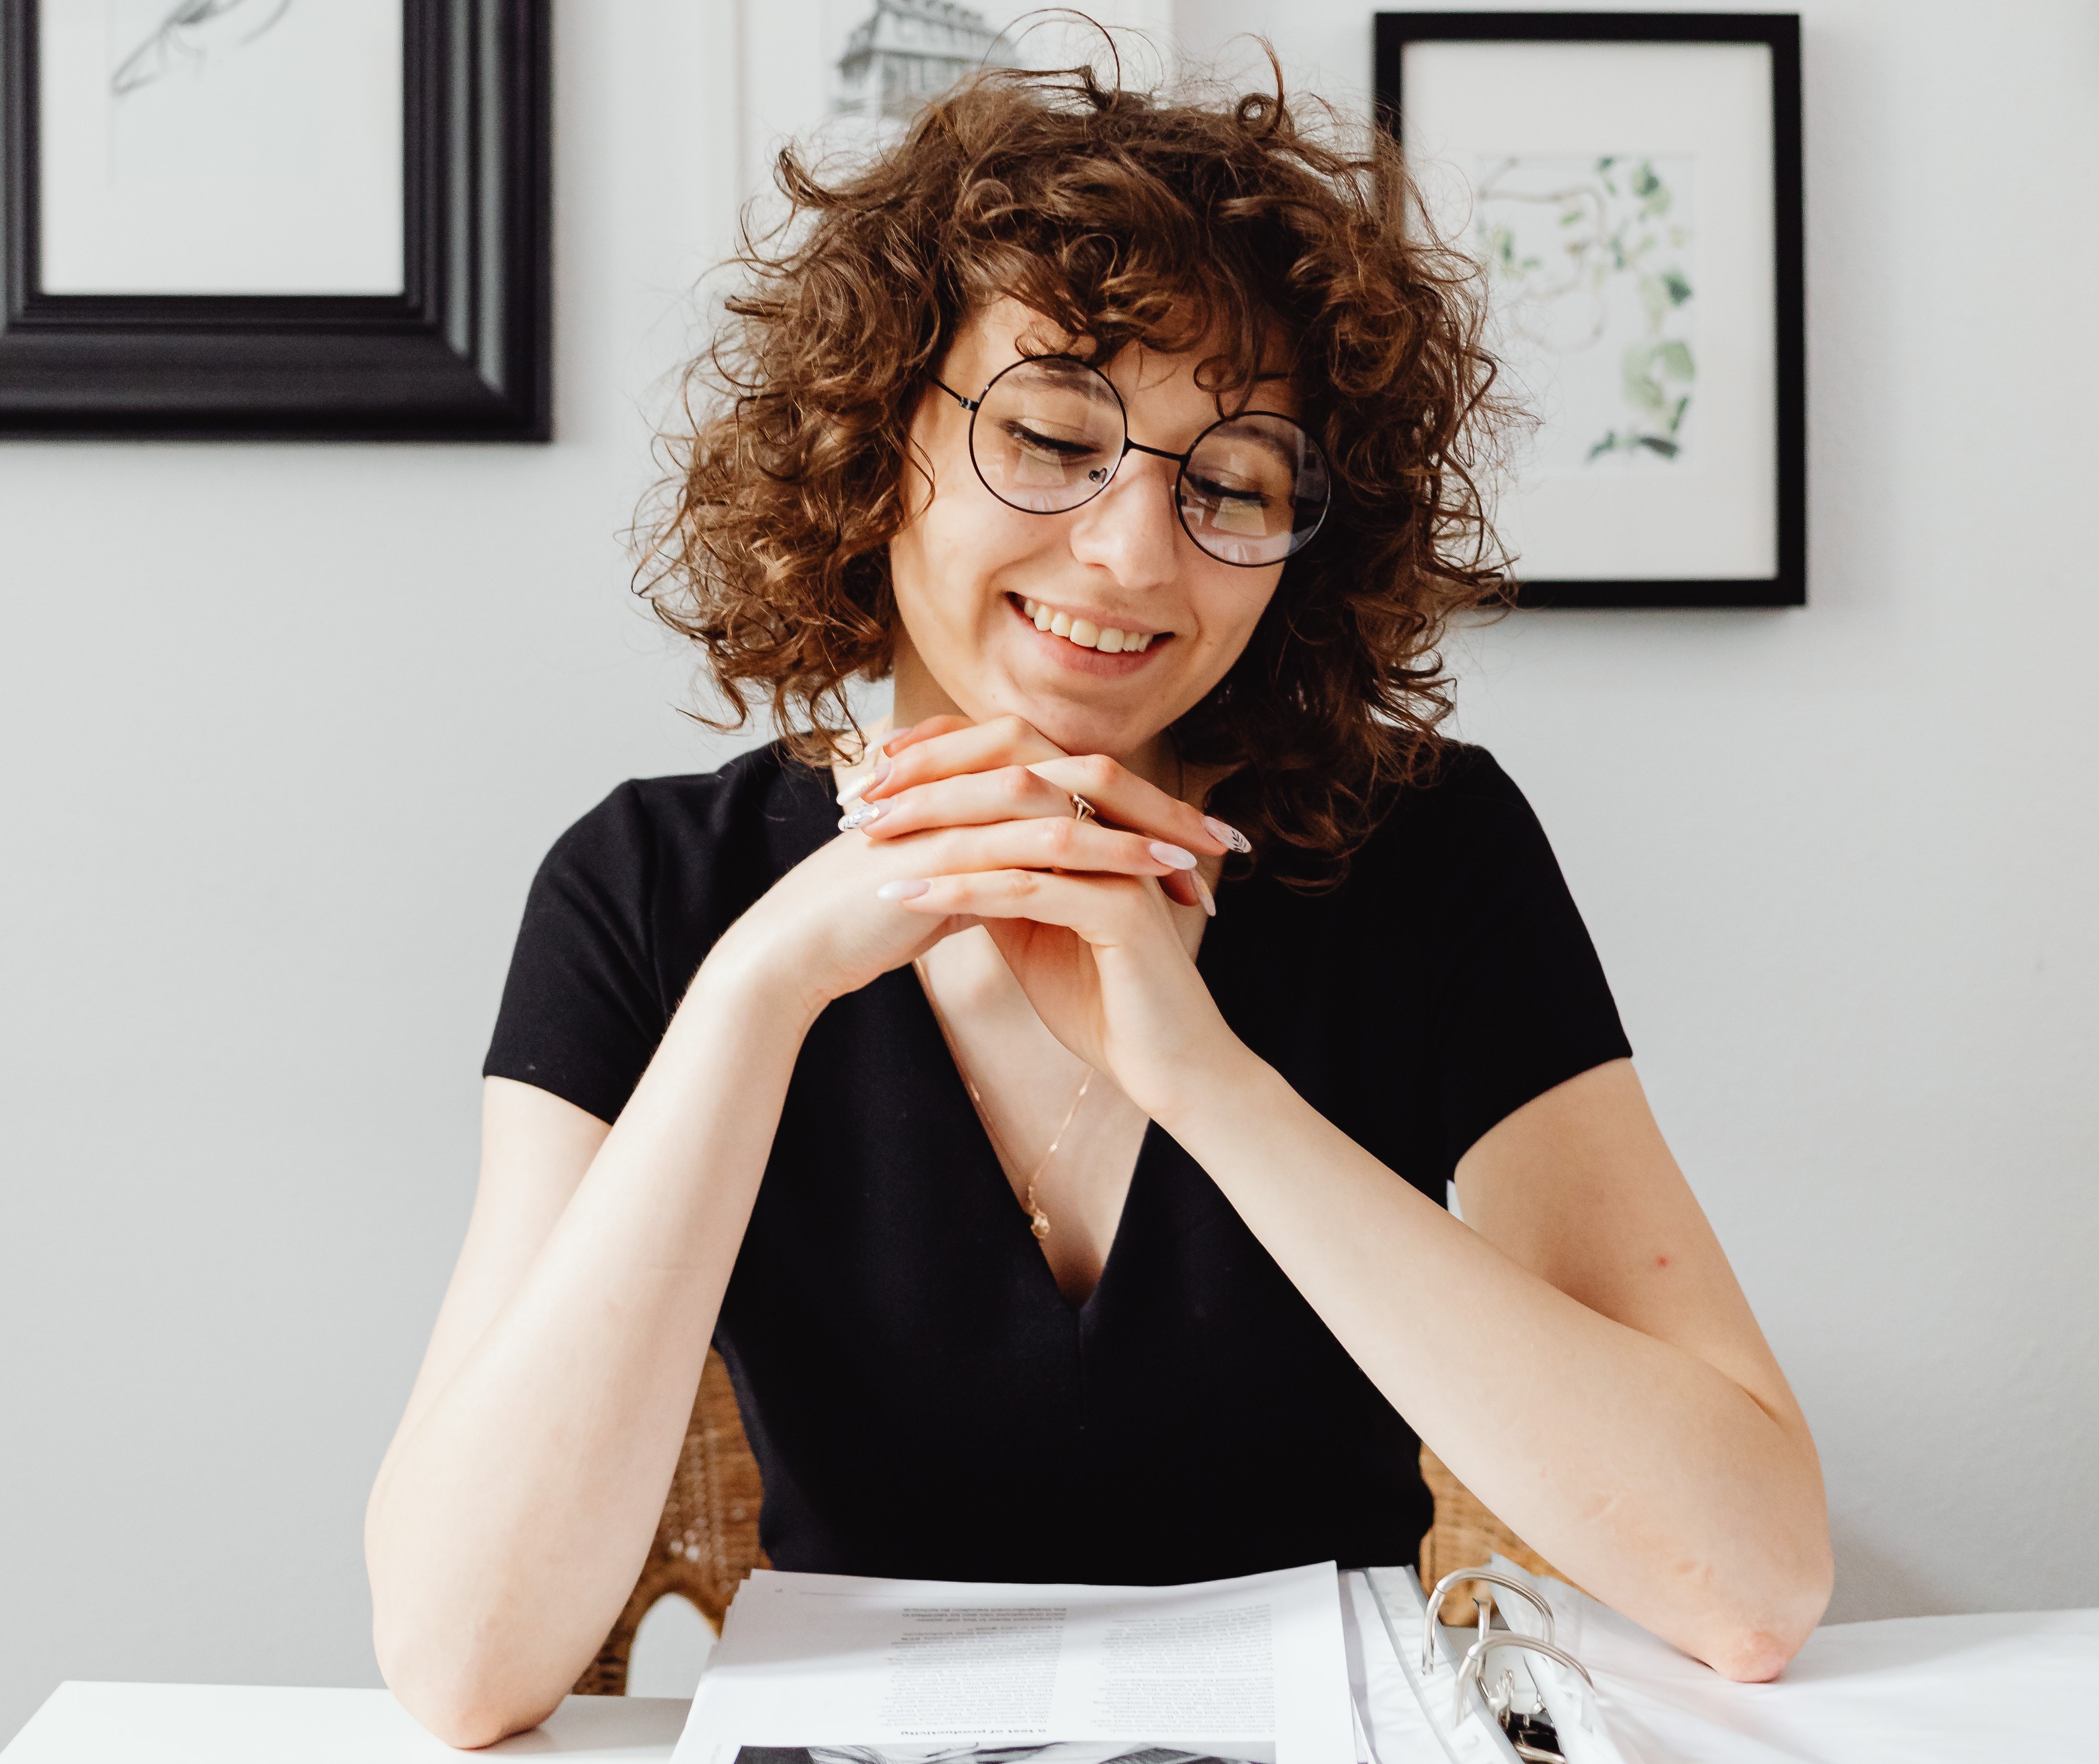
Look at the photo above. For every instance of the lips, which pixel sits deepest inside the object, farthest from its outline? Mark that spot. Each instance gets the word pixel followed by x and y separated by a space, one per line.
pixel 1109 640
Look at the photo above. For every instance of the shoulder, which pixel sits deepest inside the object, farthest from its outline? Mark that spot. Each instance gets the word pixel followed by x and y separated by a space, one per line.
pixel 1462 785
pixel 625 908
pixel 762 812
pixel 1462 818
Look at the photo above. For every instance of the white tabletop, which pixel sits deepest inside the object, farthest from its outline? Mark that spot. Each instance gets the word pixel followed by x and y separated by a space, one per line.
pixel 270 1724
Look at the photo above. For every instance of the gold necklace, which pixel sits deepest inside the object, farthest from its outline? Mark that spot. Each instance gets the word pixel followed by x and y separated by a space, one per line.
pixel 1038 1221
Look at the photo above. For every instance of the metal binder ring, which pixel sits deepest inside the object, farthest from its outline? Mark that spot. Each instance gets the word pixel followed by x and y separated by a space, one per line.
pixel 1475 1664
pixel 1507 1583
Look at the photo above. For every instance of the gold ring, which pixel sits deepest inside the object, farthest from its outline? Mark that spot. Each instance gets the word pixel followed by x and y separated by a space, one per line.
pixel 1083 810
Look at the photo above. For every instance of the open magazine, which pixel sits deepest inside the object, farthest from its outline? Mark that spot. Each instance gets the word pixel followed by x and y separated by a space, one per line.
pixel 828 1668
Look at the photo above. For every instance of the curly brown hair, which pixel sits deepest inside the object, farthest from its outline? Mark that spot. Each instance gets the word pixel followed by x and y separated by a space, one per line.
pixel 1122 217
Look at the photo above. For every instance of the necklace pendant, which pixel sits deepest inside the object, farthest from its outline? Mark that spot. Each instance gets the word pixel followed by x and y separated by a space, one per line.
pixel 1038 1221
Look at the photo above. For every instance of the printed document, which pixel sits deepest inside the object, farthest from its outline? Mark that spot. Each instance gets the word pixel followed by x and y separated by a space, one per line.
pixel 830 1669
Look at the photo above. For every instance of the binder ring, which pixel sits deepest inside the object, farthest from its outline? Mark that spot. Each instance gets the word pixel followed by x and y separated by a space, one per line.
pixel 1475 1664
pixel 1507 1583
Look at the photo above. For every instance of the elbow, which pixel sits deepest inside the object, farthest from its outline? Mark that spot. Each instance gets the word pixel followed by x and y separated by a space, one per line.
pixel 1753 1647
pixel 466 1714
pixel 467 1702
pixel 1754 1656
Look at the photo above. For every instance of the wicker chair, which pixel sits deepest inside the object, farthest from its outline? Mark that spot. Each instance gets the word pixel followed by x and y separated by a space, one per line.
pixel 706 1540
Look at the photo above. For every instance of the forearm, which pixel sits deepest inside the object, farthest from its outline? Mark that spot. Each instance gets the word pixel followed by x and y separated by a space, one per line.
pixel 1638 1469
pixel 516 1508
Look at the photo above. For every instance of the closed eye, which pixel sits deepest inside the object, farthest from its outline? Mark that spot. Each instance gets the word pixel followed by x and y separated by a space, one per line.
pixel 1074 447
pixel 1210 490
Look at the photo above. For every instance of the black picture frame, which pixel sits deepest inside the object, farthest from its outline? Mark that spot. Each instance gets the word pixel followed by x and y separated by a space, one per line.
pixel 1780 33
pixel 463 354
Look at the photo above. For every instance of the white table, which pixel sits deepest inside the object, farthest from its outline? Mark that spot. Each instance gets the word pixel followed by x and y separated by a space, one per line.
pixel 268 1724
pixel 1996 1689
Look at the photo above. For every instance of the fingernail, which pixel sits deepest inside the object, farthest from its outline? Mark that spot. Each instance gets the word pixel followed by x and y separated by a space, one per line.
pixel 1173 855
pixel 882 768
pixel 1203 890
pixel 896 735
pixel 909 889
pixel 1227 834
pixel 858 815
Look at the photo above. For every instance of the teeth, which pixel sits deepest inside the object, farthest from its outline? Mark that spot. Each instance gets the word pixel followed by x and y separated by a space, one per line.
pixel 1108 640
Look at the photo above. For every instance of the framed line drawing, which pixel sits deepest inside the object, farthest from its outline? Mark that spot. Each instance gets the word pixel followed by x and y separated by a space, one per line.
pixel 257 219
pixel 1630 182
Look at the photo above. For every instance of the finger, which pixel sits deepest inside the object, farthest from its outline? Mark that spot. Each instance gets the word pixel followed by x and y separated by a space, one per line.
pixel 1118 794
pixel 1055 842
pixel 1105 911
pixel 897 740
pixel 1184 887
pixel 971 799
pixel 953 746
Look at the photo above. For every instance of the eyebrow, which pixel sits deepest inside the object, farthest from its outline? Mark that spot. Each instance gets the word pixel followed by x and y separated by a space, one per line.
pixel 1067 368
pixel 1270 442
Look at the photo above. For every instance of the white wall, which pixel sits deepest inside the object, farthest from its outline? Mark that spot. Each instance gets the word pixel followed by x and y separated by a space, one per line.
pixel 287 728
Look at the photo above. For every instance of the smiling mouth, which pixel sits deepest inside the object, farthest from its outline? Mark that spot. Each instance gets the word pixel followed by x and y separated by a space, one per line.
pixel 1108 640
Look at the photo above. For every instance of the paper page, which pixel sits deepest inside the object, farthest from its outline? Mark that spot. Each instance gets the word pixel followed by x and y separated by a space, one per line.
pixel 826 1669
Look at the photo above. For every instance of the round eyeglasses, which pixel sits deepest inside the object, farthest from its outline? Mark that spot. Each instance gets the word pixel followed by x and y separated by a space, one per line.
pixel 1049 433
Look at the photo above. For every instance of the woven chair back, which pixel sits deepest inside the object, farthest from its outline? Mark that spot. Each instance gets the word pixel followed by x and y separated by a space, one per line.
pixel 706 1540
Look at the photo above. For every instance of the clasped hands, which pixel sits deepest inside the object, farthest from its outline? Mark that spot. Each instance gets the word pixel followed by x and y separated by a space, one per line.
pixel 966 824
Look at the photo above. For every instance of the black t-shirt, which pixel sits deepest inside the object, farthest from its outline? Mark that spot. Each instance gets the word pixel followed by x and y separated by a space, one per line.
pixel 921 1399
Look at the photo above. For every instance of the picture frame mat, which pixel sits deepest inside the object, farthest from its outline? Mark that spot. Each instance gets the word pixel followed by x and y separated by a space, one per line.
pixel 1461 99
pixel 261 161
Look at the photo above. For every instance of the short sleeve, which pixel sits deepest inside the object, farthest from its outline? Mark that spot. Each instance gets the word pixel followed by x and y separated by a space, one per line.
pixel 582 1007
pixel 1525 1002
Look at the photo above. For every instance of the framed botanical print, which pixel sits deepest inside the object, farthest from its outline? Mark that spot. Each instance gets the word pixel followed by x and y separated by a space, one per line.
pixel 257 218
pixel 1630 184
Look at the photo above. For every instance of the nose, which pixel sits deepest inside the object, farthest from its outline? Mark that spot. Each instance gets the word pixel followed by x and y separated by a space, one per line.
pixel 1132 528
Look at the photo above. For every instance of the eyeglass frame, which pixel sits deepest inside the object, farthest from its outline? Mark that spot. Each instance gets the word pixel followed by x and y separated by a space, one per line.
pixel 1131 445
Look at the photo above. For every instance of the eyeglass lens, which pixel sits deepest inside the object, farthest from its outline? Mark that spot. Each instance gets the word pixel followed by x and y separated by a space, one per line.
pixel 1048 434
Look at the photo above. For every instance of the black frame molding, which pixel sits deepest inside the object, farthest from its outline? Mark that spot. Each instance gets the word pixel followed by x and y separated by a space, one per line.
pixel 1780 32
pixel 463 354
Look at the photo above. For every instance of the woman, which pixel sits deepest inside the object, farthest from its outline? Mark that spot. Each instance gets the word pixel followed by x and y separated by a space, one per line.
pixel 1055 1142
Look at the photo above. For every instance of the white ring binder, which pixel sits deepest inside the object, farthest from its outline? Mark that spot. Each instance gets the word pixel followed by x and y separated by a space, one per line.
pixel 1568 1717
pixel 1476 1666
pixel 1505 1582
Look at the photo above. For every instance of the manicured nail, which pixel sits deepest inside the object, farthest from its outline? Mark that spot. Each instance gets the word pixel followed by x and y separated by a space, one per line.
pixel 1227 834
pixel 1173 855
pixel 910 888
pixel 896 735
pixel 858 815
pixel 1202 891
pixel 882 768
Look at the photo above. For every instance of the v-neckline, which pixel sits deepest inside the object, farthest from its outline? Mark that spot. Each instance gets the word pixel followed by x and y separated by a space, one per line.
pixel 1018 1217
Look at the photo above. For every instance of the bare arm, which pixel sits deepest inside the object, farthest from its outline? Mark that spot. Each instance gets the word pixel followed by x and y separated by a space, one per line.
pixel 516 1504
pixel 514 1510
pixel 1662 1460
